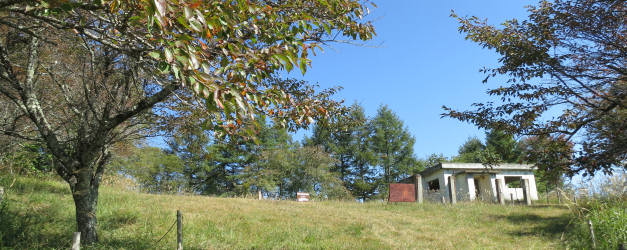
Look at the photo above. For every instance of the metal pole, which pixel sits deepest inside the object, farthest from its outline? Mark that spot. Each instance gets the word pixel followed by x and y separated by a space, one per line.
pixel 179 230
pixel 594 241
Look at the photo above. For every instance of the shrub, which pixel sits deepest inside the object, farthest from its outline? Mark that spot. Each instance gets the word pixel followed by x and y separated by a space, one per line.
pixel 604 206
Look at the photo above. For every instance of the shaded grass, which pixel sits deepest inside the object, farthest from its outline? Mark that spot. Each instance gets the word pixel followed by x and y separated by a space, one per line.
pixel 129 220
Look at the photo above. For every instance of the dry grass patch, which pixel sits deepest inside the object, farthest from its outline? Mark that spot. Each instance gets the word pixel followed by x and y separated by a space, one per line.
pixel 130 220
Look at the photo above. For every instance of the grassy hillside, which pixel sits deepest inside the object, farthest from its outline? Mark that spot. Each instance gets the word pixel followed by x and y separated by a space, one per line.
pixel 40 214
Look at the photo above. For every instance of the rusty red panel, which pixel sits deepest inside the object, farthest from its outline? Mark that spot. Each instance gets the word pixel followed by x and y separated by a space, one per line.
pixel 402 192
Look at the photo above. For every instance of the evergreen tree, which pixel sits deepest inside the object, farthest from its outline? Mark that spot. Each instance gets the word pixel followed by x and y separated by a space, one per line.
pixel 364 176
pixel 392 145
pixel 339 139
pixel 503 145
pixel 347 141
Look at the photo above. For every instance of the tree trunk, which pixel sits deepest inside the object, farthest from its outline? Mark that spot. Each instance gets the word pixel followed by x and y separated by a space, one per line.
pixel 84 185
pixel 86 216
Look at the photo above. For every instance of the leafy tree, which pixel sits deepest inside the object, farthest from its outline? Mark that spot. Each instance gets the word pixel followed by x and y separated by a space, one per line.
pixel 392 145
pixel 85 75
pixel 567 57
pixel 303 169
pixel 551 155
pixel 470 151
pixel 155 170
pixel 434 159
pixel 29 158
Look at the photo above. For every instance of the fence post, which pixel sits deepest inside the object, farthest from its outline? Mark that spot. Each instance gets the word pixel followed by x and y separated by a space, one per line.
pixel 559 197
pixel 443 199
pixel 259 194
pixel 594 242
pixel 76 241
pixel 418 187
pixel 1 194
pixel 179 230
pixel 451 188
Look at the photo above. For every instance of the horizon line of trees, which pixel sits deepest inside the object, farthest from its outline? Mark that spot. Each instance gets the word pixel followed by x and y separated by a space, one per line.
pixel 350 158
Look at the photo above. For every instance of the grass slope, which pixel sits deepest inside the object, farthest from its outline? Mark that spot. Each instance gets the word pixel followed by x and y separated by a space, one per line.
pixel 40 214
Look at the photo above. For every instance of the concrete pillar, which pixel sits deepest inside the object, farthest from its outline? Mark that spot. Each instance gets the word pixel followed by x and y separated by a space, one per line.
pixel 499 191
pixel 418 187
pixel 526 192
pixel 451 189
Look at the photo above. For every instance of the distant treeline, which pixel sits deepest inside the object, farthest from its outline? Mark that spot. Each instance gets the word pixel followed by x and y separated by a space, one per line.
pixel 352 157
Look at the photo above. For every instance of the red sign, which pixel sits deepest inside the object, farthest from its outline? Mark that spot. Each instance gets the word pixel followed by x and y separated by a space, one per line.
pixel 402 193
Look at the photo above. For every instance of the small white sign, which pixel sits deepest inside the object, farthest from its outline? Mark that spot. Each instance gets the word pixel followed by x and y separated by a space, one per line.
pixel 302 197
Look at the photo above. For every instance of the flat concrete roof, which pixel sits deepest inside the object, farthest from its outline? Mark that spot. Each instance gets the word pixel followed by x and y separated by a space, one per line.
pixel 477 166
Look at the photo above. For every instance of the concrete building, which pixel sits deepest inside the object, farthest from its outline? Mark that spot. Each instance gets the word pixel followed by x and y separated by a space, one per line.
pixel 474 181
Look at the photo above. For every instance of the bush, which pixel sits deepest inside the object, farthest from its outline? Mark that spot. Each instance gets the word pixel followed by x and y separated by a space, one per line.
pixel 609 219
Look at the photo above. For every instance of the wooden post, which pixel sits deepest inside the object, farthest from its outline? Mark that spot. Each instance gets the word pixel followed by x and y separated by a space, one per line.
pixel 179 230
pixel 499 191
pixel 1 194
pixel 418 187
pixel 259 194
pixel 443 200
pixel 559 197
pixel 451 189
pixel 511 195
pixel 526 193
pixel 594 240
pixel 76 241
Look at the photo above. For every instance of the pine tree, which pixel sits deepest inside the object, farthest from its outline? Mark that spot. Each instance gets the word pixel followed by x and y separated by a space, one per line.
pixel 392 145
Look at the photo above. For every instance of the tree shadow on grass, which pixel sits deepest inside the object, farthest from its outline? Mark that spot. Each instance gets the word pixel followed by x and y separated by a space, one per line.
pixel 533 224
pixel 25 229
pixel 129 243
pixel 549 206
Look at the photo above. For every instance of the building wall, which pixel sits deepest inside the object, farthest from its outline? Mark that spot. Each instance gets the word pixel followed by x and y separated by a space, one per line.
pixel 434 196
pixel 465 186
pixel 518 192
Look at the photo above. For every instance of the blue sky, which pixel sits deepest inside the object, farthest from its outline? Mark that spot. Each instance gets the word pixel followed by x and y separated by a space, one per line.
pixel 417 63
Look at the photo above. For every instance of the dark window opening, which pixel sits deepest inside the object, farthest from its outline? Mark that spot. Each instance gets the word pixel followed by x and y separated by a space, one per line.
pixel 434 185
pixel 513 182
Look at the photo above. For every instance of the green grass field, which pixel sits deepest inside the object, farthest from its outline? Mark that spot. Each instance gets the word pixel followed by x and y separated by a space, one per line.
pixel 40 214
